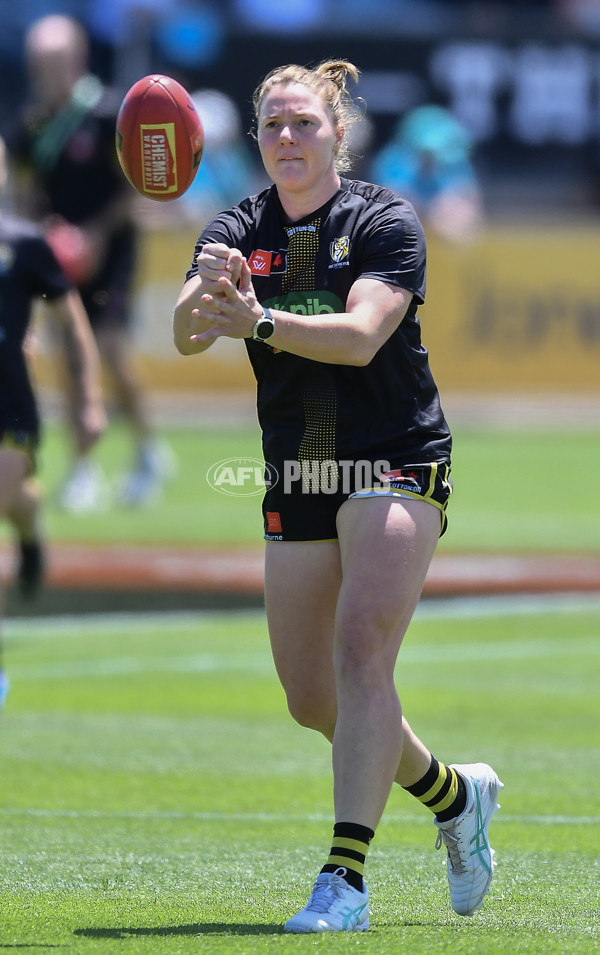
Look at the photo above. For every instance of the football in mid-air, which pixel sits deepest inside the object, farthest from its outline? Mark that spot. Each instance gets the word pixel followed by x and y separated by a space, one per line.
pixel 159 137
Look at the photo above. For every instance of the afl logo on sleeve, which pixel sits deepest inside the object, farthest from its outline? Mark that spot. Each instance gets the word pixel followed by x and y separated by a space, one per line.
pixel 260 262
pixel 267 263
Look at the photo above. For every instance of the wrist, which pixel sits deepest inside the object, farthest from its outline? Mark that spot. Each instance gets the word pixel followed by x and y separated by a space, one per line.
pixel 264 326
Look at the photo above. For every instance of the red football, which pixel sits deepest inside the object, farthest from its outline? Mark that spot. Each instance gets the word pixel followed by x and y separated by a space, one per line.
pixel 159 137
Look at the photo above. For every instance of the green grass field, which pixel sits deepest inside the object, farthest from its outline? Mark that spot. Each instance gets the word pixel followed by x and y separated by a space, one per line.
pixel 156 797
pixel 514 491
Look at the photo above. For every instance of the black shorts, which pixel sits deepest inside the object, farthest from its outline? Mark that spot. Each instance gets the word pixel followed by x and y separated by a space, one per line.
pixel 107 296
pixel 303 506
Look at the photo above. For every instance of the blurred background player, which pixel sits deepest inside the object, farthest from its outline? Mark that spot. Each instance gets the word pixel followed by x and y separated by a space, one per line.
pixel 428 162
pixel 28 271
pixel 69 178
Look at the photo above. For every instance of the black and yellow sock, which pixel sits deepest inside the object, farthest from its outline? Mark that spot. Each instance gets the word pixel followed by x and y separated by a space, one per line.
pixel 442 790
pixel 349 848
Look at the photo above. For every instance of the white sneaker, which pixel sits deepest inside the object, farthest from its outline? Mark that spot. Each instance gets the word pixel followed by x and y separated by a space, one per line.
pixel 156 465
pixel 85 491
pixel 470 857
pixel 334 906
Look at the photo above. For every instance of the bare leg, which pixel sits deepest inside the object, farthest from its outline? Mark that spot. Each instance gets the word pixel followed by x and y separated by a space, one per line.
pixel 302 586
pixel 23 513
pixel 386 548
pixel 14 467
pixel 302 581
pixel 117 357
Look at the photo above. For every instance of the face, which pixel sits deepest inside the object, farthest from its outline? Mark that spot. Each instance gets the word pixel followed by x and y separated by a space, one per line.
pixel 298 142
pixel 53 74
pixel 56 59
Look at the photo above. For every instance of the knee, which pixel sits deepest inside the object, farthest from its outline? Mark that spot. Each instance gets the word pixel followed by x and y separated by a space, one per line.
pixel 363 657
pixel 312 711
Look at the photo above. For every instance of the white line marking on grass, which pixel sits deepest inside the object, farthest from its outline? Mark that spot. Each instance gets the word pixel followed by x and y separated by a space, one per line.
pixel 261 661
pixel 74 625
pixel 30 812
pixel 451 608
pixel 507 605
pixel 128 666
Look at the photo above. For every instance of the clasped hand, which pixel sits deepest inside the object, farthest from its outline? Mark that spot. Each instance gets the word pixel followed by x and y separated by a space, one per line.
pixel 227 306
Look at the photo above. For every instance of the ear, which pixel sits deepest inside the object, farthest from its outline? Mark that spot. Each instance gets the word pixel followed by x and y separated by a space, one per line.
pixel 339 136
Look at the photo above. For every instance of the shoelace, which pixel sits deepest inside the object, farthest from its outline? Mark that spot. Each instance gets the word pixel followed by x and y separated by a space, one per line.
pixel 450 840
pixel 324 893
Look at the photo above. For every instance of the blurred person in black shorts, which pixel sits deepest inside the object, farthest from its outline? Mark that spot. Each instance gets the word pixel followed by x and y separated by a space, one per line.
pixel 322 277
pixel 70 179
pixel 29 271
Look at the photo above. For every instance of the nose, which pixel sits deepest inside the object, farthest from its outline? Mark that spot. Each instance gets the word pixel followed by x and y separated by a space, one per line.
pixel 286 133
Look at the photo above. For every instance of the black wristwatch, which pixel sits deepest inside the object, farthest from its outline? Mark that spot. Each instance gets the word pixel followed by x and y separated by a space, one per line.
pixel 264 327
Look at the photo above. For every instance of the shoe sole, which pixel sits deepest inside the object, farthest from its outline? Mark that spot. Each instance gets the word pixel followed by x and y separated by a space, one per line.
pixel 314 930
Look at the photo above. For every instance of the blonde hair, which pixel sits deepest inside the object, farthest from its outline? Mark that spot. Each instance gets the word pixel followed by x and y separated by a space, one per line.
pixel 328 80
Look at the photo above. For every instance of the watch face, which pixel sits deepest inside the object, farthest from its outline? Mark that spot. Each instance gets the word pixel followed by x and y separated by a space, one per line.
pixel 264 329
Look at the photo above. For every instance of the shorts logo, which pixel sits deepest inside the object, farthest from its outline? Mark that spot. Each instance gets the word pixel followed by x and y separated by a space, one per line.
pixel 339 249
pixel 274 522
pixel 242 477
pixel 401 481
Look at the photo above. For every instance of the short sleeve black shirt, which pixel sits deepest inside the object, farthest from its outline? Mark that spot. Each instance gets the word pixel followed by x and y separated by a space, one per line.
pixel 388 410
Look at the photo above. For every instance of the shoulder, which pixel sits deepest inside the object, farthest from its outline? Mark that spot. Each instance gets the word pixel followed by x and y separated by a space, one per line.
pixel 382 218
pixel 242 219
pixel 254 206
pixel 380 201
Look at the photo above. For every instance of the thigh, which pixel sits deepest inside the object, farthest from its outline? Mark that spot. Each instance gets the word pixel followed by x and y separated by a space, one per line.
pixel 302 581
pixel 386 546
pixel 14 468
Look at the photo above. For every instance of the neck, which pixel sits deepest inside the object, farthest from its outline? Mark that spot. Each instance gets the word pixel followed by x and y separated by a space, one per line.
pixel 298 205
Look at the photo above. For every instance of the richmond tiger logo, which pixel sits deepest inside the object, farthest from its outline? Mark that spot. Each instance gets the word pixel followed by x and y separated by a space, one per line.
pixel 340 248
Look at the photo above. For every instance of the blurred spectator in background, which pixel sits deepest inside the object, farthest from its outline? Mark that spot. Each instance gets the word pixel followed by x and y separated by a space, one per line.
pixel 228 171
pixel 428 162
pixel 29 271
pixel 69 178
pixel 279 16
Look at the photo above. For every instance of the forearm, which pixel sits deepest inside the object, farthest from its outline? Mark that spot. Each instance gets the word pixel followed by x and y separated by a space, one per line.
pixel 187 324
pixel 221 304
pixel 337 339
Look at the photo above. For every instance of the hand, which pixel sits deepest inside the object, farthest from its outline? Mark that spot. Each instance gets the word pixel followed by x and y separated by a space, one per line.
pixel 77 251
pixel 229 312
pixel 218 261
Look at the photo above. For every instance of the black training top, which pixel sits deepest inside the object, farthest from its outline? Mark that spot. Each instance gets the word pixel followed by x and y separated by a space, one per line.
pixel 387 410
pixel 28 270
